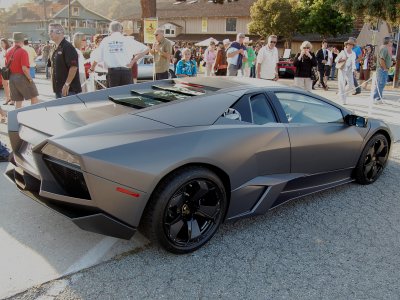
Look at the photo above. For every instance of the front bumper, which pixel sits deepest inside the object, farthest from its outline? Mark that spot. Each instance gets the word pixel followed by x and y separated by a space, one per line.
pixel 88 218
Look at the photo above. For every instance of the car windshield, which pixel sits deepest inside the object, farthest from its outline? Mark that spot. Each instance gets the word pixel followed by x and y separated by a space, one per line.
pixel 140 99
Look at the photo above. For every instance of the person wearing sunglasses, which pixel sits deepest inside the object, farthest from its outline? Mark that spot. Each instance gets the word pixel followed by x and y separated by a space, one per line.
pixel 267 60
pixel 162 52
pixel 304 62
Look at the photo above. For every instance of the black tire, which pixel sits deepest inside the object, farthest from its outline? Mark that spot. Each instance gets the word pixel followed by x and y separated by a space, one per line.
pixel 373 160
pixel 185 210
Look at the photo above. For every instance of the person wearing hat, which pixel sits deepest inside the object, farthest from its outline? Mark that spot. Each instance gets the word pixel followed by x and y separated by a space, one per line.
pixel 22 86
pixel 346 66
pixel 383 64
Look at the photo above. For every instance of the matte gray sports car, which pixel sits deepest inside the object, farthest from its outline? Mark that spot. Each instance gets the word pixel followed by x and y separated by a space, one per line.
pixel 175 158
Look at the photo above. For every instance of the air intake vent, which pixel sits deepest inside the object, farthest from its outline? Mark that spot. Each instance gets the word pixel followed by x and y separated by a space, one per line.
pixel 69 178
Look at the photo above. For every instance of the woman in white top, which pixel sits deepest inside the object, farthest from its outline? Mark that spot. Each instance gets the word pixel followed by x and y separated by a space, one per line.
pixel 346 65
pixel 209 57
pixel 81 60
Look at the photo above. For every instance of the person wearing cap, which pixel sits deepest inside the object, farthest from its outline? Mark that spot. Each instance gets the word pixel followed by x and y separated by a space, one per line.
pixel 236 55
pixel 64 64
pixel 21 83
pixel 267 60
pixel 346 65
pixel 383 64
pixel 221 63
pixel 162 52
pixel 32 55
pixel 117 52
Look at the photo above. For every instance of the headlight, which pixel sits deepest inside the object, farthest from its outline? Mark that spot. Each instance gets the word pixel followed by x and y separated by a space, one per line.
pixel 54 151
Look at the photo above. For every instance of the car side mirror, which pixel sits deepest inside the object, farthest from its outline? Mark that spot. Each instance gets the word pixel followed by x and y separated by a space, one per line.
pixel 354 120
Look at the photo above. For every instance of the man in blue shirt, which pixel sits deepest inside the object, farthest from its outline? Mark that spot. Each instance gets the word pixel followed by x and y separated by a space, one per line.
pixel 357 50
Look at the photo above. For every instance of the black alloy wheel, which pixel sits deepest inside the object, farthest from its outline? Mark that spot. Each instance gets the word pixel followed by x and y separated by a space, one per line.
pixel 186 210
pixel 373 160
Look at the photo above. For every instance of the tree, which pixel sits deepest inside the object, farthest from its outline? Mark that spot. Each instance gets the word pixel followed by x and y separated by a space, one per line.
pixel 280 17
pixel 386 10
pixel 320 16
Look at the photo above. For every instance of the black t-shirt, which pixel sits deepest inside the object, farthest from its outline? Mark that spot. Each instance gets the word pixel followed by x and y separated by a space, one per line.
pixel 62 59
pixel 177 56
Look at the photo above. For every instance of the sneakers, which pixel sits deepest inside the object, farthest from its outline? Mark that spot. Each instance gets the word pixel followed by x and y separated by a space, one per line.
pixel 356 93
pixel 378 102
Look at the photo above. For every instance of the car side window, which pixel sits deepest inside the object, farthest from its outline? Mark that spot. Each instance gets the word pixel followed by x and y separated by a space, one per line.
pixel 261 110
pixel 255 109
pixel 308 110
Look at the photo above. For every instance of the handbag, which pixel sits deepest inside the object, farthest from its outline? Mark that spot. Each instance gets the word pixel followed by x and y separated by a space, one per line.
pixel 340 65
pixel 6 71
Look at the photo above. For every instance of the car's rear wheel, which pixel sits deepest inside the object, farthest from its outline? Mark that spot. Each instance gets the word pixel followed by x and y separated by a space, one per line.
pixel 185 210
pixel 373 160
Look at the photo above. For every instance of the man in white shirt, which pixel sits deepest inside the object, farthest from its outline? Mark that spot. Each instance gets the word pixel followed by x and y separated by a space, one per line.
pixel 267 60
pixel 116 51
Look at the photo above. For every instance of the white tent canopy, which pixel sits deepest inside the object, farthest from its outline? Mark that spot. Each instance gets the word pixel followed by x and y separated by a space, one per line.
pixel 206 42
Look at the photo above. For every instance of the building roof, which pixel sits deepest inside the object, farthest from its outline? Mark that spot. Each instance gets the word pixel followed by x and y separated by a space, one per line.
pixel 31 12
pixel 199 9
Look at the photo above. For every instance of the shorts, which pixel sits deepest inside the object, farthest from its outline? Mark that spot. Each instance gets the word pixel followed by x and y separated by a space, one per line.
pixel 21 89
pixel 327 70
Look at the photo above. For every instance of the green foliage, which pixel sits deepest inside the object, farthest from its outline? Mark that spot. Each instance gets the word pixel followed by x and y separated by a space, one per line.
pixel 387 10
pixel 280 17
pixel 321 16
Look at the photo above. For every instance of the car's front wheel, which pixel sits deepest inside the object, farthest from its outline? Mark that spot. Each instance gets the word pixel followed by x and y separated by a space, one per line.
pixel 372 160
pixel 185 210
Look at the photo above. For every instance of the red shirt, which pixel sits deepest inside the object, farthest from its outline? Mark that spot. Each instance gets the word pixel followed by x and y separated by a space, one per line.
pixel 20 59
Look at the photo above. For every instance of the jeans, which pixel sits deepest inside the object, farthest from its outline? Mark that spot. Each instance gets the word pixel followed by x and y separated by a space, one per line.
pixel 59 94
pixel 253 71
pixel 232 70
pixel 358 89
pixel 333 70
pixel 32 72
pixel 381 78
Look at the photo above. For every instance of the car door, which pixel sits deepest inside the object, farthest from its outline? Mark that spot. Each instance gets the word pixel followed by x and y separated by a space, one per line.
pixel 272 153
pixel 320 140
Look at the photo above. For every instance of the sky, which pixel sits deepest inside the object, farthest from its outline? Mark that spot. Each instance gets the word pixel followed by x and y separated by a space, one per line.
pixel 8 3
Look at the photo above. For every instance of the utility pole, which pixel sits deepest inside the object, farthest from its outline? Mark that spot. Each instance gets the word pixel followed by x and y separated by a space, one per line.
pixel 45 20
pixel 149 10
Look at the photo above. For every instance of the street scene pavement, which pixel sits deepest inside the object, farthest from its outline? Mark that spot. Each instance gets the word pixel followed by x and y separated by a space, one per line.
pixel 339 244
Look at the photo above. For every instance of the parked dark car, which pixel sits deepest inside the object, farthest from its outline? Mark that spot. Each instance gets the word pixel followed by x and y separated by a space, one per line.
pixel 176 158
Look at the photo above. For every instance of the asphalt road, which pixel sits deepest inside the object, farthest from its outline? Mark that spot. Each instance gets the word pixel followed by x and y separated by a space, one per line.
pixel 338 244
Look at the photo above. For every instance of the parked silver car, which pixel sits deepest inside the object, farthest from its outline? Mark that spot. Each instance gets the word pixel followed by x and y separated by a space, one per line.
pixel 40 64
pixel 146 67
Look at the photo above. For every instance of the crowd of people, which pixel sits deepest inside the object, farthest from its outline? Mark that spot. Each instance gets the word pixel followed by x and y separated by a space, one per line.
pixel 117 55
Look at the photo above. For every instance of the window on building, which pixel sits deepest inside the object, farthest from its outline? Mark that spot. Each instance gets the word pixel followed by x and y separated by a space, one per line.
pixel 169 30
pixel 75 11
pixel 231 24
pixel 138 24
